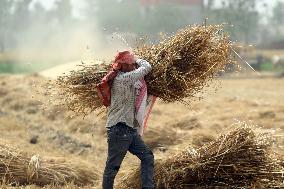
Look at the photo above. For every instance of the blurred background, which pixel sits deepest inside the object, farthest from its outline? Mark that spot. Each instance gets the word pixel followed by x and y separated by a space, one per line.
pixel 38 34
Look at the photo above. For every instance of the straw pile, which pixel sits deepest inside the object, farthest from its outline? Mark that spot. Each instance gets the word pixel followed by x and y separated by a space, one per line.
pixel 78 89
pixel 240 158
pixel 181 66
pixel 21 168
pixel 155 139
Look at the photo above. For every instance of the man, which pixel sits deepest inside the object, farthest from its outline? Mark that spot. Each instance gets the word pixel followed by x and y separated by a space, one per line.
pixel 122 126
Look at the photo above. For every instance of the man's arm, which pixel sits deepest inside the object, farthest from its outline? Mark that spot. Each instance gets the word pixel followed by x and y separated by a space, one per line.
pixel 133 76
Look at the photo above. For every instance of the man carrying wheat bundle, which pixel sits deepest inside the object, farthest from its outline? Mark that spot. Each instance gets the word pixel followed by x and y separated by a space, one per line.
pixel 182 66
pixel 123 90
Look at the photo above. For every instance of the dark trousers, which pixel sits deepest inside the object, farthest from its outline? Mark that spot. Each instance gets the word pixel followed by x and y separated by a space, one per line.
pixel 122 138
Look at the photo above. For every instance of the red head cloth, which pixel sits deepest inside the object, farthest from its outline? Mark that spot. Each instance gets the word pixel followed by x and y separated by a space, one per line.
pixel 125 57
pixel 103 88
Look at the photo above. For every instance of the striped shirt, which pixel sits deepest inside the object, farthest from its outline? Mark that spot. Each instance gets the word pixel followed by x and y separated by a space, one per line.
pixel 122 107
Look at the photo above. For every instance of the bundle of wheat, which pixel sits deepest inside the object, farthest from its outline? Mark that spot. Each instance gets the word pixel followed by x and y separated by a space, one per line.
pixel 239 158
pixel 181 66
pixel 78 89
pixel 21 168
pixel 185 62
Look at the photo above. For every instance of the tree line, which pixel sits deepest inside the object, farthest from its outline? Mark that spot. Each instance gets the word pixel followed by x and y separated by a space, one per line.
pixel 19 18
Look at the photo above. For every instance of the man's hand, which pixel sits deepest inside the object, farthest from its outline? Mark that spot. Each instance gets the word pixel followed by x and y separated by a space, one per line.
pixel 135 61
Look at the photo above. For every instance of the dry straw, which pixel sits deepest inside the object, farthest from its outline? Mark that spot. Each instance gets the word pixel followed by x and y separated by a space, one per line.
pixel 154 138
pixel 182 65
pixel 240 158
pixel 21 168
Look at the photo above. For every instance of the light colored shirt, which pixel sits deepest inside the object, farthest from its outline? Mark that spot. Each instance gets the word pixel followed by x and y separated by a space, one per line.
pixel 123 96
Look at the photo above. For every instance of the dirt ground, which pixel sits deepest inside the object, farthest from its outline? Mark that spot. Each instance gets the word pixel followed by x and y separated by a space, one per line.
pixel 172 127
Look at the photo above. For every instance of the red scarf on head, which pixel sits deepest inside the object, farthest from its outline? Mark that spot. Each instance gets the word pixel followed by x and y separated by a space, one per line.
pixel 103 88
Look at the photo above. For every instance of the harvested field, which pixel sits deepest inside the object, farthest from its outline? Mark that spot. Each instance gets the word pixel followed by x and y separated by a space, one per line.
pixel 174 126
pixel 23 168
pixel 155 140
pixel 239 158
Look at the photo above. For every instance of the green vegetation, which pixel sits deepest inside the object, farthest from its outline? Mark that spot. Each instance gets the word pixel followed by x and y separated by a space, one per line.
pixel 28 26
pixel 266 66
pixel 23 67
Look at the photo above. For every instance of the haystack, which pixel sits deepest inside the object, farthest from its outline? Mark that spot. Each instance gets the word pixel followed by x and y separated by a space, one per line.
pixel 182 65
pixel 22 168
pixel 240 158
pixel 154 138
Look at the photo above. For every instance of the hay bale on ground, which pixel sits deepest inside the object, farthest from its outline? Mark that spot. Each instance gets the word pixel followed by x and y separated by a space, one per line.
pixel 22 168
pixel 182 65
pixel 239 158
pixel 199 138
pixel 187 123
pixel 160 137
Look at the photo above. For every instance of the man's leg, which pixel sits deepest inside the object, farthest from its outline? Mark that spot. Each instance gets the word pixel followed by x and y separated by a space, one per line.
pixel 117 148
pixel 143 152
